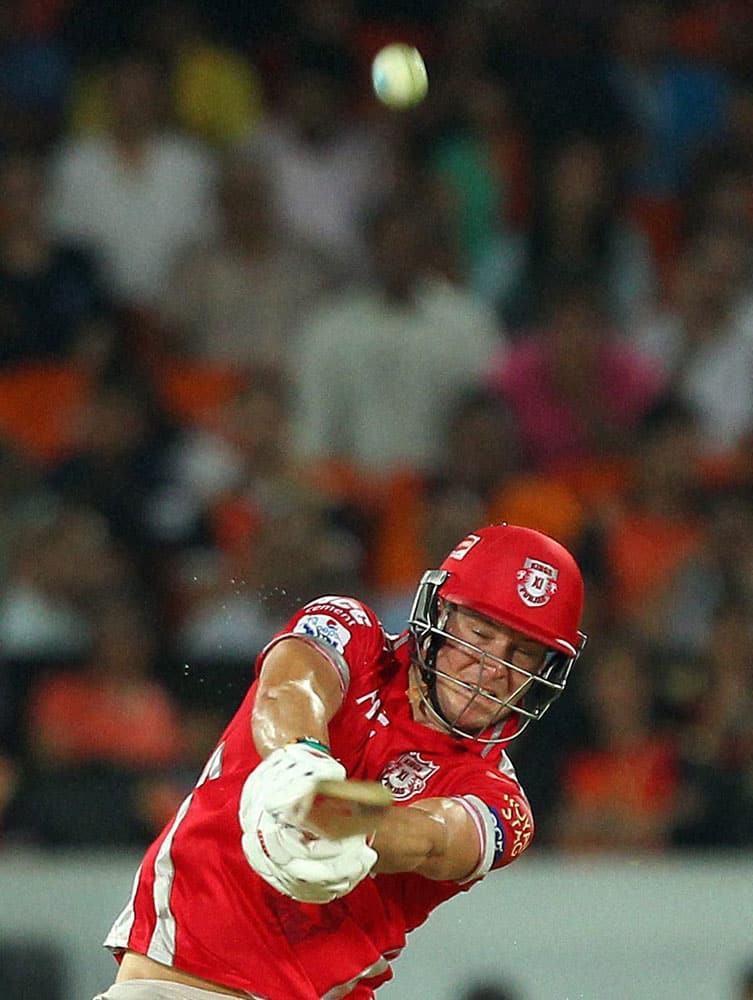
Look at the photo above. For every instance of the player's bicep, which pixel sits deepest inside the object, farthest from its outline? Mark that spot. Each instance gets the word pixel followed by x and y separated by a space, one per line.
pixel 438 838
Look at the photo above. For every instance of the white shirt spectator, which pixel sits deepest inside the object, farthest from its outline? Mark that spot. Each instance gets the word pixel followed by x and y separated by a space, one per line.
pixel 34 625
pixel 375 381
pixel 715 376
pixel 321 192
pixel 138 217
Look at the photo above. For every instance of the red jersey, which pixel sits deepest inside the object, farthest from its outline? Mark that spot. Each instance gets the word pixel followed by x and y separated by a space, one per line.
pixel 198 905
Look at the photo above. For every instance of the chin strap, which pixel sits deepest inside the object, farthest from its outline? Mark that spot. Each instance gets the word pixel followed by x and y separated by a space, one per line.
pixel 417 690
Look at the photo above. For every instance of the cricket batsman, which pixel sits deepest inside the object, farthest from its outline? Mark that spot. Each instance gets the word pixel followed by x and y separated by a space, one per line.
pixel 250 891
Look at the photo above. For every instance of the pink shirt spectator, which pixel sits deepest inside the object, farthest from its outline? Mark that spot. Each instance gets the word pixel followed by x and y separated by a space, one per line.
pixel 556 426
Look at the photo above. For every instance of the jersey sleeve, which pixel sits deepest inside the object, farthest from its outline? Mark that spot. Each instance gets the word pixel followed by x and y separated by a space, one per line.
pixel 501 814
pixel 343 629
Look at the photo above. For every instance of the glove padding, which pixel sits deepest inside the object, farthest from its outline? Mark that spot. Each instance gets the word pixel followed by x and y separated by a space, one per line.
pixel 292 860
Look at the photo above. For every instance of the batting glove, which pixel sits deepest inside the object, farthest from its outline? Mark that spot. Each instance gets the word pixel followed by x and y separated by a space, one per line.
pixel 284 783
pixel 275 796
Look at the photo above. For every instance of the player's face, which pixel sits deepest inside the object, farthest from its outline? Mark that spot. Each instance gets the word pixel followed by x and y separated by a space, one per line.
pixel 482 669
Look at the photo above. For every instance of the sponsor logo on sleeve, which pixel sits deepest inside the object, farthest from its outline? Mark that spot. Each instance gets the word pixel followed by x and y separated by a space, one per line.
pixel 351 610
pixel 324 628
pixel 518 818
pixel 499 836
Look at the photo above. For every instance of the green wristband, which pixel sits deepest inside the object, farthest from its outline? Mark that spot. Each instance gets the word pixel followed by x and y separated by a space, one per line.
pixel 314 744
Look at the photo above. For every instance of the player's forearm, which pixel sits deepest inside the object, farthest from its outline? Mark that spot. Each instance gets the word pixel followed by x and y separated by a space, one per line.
pixel 297 696
pixel 288 712
pixel 433 838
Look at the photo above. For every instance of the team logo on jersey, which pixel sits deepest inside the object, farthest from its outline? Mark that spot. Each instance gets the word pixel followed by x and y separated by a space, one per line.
pixel 325 628
pixel 408 775
pixel 536 582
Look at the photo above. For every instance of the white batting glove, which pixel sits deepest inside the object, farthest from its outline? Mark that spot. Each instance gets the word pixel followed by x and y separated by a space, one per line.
pixel 297 864
pixel 311 870
pixel 284 783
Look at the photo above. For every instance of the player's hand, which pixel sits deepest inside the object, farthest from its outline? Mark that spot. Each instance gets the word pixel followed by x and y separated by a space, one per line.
pixel 284 783
pixel 309 869
pixel 273 803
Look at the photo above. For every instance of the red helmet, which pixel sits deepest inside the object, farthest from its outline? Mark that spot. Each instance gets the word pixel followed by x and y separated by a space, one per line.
pixel 516 576
pixel 519 577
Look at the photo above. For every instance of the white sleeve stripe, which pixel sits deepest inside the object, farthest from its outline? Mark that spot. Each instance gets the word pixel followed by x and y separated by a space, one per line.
pixel 484 824
pixel 336 660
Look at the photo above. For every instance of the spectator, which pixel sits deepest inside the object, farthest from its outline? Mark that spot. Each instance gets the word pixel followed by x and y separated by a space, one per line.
pixel 63 559
pixel 694 572
pixel 315 31
pixel 721 196
pixel 480 479
pixel 138 192
pixel 118 463
pixel 576 390
pixel 655 529
pixel 325 169
pixel 717 747
pixel 20 488
pixel 52 299
pixel 577 227
pixel 229 475
pixel 257 506
pixel 676 106
pixel 619 793
pixel 240 300
pixel 256 430
pixel 703 338
pixel 234 595
pixel 214 93
pixel 552 57
pixel 76 750
pixel 34 82
pixel 82 715
pixel 379 369
pixel 216 90
pixel 483 165
pixel 720 189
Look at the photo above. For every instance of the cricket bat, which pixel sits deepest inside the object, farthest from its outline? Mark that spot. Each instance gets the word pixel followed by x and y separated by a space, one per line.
pixel 346 808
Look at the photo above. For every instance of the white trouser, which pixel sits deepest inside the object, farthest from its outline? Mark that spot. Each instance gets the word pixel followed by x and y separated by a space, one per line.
pixel 154 989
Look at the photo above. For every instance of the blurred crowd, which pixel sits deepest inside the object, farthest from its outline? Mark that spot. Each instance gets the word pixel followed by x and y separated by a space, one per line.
pixel 262 338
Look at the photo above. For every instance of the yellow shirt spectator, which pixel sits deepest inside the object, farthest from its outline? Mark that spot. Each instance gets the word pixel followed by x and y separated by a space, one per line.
pixel 215 95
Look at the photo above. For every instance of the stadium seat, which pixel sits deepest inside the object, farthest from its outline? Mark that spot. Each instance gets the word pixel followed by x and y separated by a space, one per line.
pixel 39 406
